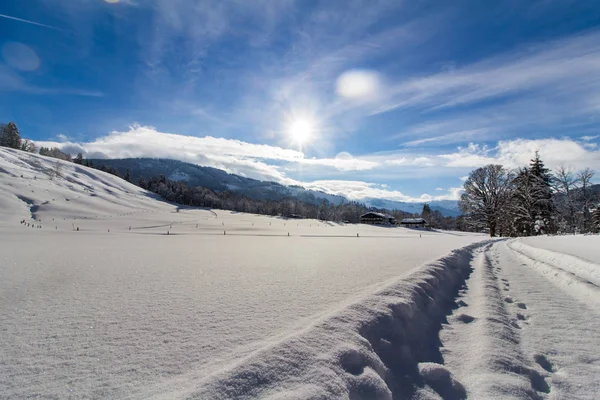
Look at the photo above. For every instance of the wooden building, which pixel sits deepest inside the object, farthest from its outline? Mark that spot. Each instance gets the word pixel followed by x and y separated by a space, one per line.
pixel 375 218
pixel 413 223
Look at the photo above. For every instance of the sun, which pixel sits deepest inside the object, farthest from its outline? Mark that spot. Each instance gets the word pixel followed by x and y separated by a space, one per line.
pixel 301 131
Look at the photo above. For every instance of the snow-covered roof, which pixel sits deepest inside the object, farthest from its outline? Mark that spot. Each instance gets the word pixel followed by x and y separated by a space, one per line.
pixel 413 221
pixel 377 214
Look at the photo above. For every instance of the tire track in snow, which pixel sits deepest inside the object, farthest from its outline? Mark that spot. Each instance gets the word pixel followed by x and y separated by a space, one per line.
pixel 481 345
pixel 583 269
pixel 559 332
pixel 583 290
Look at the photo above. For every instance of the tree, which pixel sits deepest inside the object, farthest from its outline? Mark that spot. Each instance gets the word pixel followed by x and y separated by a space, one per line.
pixel 596 218
pixel 127 175
pixel 78 159
pixel 565 183
pixel 142 183
pixel 426 213
pixel 524 202
pixel 29 146
pixel 543 207
pixel 585 179
pixel 55 152
pixel 10 136
pixel 486 194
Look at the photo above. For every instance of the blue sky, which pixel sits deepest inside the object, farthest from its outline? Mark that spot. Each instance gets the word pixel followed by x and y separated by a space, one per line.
pixel 398 99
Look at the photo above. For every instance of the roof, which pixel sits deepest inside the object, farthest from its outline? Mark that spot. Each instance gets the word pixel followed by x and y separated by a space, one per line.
pixel 376 214
pixel 413 221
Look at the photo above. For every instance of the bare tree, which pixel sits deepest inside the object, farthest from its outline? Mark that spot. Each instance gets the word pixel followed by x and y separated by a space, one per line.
pixel 585 180
pixel 486 196
pixel 565 183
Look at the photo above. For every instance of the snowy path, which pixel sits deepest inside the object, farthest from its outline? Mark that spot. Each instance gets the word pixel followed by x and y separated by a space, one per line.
pixel 524 329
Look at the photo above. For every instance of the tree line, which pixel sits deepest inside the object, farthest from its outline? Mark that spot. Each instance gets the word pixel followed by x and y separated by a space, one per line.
pixel 530 200
pixel 11 138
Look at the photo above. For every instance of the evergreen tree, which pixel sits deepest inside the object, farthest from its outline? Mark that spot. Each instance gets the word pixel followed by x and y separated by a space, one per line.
pixel 78 159
pixel 596 218
pixel 142 183
pixel 527 199
pixel 10 136
pixel 127 175
pixel 426 213
pixel 543 206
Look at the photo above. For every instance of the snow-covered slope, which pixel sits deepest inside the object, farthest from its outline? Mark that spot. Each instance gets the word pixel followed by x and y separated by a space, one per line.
pixel 115 294
pixel 36 186
pixel 108 292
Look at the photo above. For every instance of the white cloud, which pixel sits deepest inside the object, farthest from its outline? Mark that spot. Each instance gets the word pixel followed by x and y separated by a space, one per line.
pixel 234 156
pixel 518 153
pixel 272 163
pixel 588 138
pixel 358 190
pixel 425 161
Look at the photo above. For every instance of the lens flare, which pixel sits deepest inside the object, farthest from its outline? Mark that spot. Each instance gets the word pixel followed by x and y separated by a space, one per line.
pixel 358 84
pixel 20 56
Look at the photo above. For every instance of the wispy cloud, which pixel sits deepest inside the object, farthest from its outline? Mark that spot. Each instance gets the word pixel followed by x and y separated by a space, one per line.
pixel 588 138
pixel 562 67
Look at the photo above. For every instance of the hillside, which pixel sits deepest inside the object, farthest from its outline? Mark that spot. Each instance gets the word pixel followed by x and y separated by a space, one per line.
pixel 214 179
pixel 219 180
pixel 35 186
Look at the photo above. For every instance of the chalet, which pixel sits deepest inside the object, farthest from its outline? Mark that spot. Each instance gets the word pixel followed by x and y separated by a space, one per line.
pixel 375 218
pixel 413 223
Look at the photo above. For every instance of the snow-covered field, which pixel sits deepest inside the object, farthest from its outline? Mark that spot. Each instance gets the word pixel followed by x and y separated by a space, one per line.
pixel 112 293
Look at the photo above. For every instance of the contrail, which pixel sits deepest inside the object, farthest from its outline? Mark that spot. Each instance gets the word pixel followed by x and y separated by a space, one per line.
pixel 30 22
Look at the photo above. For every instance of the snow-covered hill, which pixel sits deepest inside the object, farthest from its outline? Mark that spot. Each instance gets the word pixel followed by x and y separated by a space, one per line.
pixel 108 292
pixel 37 186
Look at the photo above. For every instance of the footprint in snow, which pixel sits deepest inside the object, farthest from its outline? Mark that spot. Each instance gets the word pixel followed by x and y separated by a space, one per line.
pixel 508 299
pixel 543 362
pixel 522 306
pixel 522 317
pixel 467 319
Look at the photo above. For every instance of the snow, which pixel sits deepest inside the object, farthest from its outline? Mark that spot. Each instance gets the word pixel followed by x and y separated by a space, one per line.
pixel 148 300
pixel 531 332
pixel 111 312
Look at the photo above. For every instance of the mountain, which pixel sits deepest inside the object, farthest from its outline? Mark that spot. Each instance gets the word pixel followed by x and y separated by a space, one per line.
pixel 448 208
pixel 214 179
pixel 219 181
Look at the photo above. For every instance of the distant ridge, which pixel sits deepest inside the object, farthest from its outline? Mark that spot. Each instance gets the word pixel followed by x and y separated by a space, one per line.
pixel 219 180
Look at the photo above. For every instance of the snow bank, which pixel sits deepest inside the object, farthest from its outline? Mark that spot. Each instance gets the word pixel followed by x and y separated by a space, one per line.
pixel 583 269
pixel 384 344
pixel 578 277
